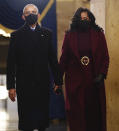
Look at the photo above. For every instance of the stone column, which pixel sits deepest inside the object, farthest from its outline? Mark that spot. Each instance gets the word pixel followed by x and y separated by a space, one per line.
pixel 98 9
pixel 107 15
pixel 112 35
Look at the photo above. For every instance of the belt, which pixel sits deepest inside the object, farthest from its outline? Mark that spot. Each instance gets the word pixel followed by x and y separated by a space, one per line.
pixel 85 60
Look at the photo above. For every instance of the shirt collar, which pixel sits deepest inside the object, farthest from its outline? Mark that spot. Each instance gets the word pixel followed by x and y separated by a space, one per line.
pixel 33 28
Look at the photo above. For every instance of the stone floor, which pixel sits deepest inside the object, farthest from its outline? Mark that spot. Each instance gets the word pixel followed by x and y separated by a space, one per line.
pixel 9 118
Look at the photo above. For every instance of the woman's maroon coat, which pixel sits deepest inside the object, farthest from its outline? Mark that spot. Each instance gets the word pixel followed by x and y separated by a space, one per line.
pixel 85 103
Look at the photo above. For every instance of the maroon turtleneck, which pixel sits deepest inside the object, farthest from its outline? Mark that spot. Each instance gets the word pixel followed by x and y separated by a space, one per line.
pixel 85 50
pixel 84 43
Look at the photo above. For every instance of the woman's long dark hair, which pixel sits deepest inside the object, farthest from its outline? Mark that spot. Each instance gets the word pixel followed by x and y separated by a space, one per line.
pixel 77 17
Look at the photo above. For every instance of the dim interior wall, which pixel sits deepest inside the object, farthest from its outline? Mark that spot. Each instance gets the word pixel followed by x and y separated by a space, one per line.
pixel 65 11
pixel 112 35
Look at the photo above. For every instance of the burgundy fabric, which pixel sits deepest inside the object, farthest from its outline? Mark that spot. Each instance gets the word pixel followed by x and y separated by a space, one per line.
pixel 85 103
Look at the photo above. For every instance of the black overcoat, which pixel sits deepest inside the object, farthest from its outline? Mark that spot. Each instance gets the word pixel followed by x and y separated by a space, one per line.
pixel 30 55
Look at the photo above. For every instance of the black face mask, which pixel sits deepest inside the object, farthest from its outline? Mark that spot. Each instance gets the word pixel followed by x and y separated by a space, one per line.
pixel 84 24
pixel 31 19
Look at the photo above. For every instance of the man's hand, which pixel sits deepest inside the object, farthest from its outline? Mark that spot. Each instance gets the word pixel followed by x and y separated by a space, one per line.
pixel 58 90
pixel 12 94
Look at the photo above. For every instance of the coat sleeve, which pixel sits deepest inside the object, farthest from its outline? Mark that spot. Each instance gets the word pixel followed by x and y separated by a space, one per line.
pixel 105 55
pixel 65 55
pixel 11 60
pixel 53 62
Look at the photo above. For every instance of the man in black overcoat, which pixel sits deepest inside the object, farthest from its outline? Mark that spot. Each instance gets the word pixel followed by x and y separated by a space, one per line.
pixel 30 55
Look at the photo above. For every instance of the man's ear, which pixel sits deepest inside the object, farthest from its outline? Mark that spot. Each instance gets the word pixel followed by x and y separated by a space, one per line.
pixel 23 17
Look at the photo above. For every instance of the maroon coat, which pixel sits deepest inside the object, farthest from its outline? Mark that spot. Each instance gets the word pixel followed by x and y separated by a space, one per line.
pixel 85 104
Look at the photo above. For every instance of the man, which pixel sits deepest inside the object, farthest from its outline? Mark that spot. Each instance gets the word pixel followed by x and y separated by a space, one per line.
pixel 85 62
pixel 30 55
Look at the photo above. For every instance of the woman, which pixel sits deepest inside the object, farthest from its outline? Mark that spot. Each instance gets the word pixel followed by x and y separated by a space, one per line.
pixel 85 62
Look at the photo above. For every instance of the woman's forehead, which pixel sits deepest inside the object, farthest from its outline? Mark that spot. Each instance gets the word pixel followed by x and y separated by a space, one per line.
pixel 84 14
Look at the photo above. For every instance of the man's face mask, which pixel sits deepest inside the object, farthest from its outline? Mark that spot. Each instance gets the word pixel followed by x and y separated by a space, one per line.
pixel 31 19
pixel 84 24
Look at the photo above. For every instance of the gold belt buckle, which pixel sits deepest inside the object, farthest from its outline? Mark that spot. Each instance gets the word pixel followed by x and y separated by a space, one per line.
pixel 85 60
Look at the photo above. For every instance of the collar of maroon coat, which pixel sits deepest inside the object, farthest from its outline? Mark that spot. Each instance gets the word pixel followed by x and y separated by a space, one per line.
pixel 94 37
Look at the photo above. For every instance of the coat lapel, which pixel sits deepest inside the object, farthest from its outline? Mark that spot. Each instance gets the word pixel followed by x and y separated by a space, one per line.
pixel 75 43
pixel 94 42
pixel 35 35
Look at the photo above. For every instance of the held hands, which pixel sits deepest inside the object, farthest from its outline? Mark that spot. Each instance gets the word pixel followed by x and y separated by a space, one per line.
pixel 12 94
pixel 58 90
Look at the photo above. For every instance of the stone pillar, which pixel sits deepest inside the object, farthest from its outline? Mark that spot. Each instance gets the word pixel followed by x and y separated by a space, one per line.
pixel 107 15
pixel 112 35
pixel 98 8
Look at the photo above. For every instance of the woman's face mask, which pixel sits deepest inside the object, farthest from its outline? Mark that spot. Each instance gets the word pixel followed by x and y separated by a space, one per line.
pixel 84 24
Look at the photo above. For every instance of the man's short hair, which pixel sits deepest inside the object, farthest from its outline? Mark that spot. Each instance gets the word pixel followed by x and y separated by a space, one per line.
pixel 31 5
